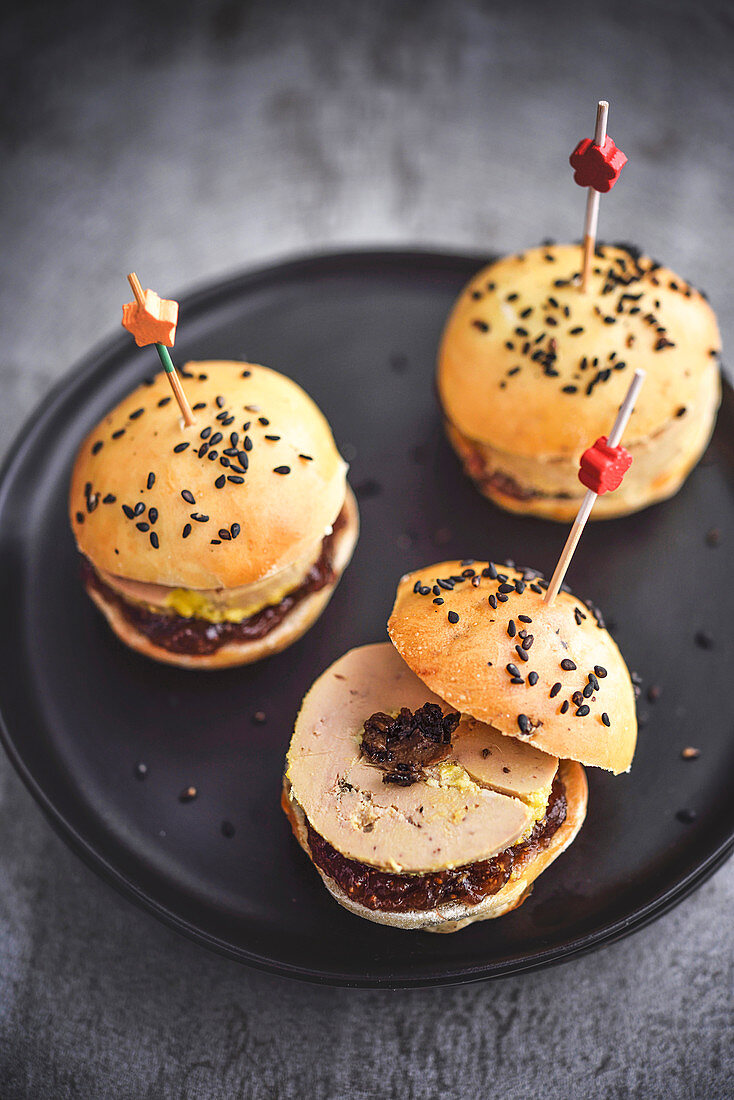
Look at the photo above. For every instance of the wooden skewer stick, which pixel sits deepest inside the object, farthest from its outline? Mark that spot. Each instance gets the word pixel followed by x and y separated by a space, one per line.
pixel 165 358
pixel 589 500
pixel 592 200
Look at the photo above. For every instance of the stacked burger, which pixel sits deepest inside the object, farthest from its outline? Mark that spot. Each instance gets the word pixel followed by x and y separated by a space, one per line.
pixel 433 779
pixel 218 543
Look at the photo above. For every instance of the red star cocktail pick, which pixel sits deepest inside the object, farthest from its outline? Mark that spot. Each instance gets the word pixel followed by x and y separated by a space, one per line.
pixel 602 468
pixel 596 164
pixel 152 320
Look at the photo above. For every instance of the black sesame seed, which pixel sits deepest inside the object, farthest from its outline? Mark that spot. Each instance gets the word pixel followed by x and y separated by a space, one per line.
pixel 568 664
pixel 599 670
pixel 438 600
pixel 180 447
pixel 511 629
pixel 199 517
pixel 109 499
pixel 128 511
pixel 582 711
pixel 524 618
pixel 186 531
pixel 506 588
pixel 308 458
pixel 219 483
pixel 536 588
pixel 164 401
pixel 202 450
pixel 564 706
pixel 219 402
pixel 118 433
pixel 151 480
pixel 282 470
pixel 215 542
pixel 235 529
pixel 236 479
pixel 188 496
pixel 224 534
pixel 492 602
pixel 588 691
pixel 97 447
pixel 80 517
pixel 521 653
pixel 143 526
pixel 605 718
pixel 154 540
pixel 139 508
pixel 528 641
pixel 223 461
pixel 502 598
pixel 453 617
pixel 554 690
pixel 136 414
pixel 216 438
pixel 197 406
pixel 577 699
pixel 569 389
pixel 524 723
pixel 532 678
pixel 212 456
pixel 513 669
pixel 205 433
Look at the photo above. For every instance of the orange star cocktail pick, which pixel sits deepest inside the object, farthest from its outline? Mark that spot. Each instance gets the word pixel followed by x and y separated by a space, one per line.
pixel 152 320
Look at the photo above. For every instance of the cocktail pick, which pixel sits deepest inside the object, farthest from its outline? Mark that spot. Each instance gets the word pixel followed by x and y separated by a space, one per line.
pixel 596 164
pixel 152 320
pixel 602 468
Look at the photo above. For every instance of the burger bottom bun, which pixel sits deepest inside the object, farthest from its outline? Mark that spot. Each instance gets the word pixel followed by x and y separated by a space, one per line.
pixel 548 485
pixel 288 630
pixel 453 916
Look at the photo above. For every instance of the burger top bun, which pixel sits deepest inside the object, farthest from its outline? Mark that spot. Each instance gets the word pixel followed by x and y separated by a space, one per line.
pixel 287 500
pixel 470 662
pixel 526 311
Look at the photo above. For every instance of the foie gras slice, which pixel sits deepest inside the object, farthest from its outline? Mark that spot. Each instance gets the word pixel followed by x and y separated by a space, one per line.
pixel 467 808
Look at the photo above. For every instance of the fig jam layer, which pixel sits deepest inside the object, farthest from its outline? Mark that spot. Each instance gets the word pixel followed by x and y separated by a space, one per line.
pixel 467 885
pixel 194 636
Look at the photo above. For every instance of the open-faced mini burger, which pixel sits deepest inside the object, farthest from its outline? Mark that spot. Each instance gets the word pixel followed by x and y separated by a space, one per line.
pixel 432 780
pixel 220 543
pixel 531 369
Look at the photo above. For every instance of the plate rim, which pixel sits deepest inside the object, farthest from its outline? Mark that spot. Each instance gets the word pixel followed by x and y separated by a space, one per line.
pixel 196 301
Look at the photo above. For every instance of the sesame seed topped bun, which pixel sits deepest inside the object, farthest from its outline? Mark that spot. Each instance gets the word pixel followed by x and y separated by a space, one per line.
pixel 220 543
pixel 532 371
pixel 149 503
pixel 549 675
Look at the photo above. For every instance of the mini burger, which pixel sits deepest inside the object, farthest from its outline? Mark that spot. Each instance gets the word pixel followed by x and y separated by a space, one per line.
pixel 220 543
pixel 433 779
pixel 530 369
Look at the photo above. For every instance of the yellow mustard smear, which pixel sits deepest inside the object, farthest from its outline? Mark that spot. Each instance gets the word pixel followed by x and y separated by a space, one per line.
pixel 193 605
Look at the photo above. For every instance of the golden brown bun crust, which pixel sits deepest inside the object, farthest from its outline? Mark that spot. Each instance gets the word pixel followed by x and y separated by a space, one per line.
pixel 452 917
pixel 281 516
pixel 289 630
pixel 527 413
pixel 452 660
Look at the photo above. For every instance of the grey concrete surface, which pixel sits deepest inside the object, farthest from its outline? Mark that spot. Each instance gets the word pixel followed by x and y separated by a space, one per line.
pixel 190 140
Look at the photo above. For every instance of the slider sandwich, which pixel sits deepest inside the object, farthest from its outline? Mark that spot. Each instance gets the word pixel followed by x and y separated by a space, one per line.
pixel 219 543
pixel 531 368
pixel 433 779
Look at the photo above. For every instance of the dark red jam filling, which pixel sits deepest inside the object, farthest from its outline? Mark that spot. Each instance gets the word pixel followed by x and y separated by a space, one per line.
pixel 198 636
pixel 402 747
pixel 468 885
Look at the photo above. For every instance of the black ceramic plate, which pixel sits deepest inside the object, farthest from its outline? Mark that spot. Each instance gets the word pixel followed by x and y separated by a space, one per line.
pixel 359 331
